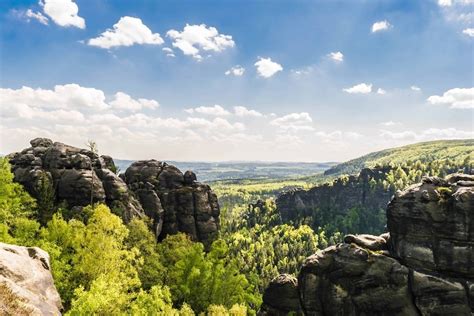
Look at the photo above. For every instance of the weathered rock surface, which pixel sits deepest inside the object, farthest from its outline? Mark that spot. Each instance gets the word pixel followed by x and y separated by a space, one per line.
pixel 175 202
pixel 281 297
pixel 26 283
pixel 423 266
pixel 432 225
pixel 324 202
pixel 77 176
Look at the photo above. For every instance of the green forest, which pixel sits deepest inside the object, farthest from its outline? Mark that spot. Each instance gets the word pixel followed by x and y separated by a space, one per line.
pixel 103 266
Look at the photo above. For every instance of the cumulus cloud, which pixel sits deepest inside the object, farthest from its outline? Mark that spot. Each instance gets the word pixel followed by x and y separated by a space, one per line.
pixel 194 38
pixel 381 26
pixel 415 88
pixel 266 68
pixel 63 13
pixel 457 98
pixel 469 32
pixel 294 121
pixel 381 91
pixel 215 110
pixel 336 56
pixel 362 88
pixel 127 31
pixel 236 71
pixel 243 111
pixel 61 97
pixel 123 101
pixel 71 97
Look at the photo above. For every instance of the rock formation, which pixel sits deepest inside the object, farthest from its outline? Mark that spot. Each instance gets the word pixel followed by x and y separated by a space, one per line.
pixel 423 266
pixel 175 202
pixel 26 283
pixel 329 200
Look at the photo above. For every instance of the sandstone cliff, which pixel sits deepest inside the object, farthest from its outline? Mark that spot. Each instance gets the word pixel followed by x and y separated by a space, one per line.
pixel 26 283
pixel 328 202
pixel 175 202
pixel 423 266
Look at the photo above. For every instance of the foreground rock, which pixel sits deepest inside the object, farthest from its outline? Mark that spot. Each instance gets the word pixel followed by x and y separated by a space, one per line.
pixel 424 266
pixel 26 283
pixel 76 177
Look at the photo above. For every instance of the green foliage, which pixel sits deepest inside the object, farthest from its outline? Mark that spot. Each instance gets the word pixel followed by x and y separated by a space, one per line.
pixel 201 279
pixel 14 200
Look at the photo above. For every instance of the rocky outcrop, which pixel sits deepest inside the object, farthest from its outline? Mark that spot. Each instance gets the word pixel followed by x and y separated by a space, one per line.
pixel 26 283
pixel 281 297
pixel 423 266
pixel 323 203
pixel 175 202
pixel 76 176
pixel 432 225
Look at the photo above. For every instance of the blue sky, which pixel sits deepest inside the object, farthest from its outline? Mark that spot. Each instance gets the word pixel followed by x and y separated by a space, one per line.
pixel 410 79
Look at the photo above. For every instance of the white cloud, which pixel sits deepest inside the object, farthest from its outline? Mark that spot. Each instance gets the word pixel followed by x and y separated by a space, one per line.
pixel 195 38
pixel 123 101
pixel 215 110
pixel 63 13
pixel 390 123
pixel 236 71
pixel 127 31
pixel 70 97
pixel 362 88
pixel 267 68
pixel 37 16
pixel 380 26
pixel 445 3
pixel 381 91
pixel 415 88
pixel 469 32
pixel 62 97
pixel 457 98
pixel 336 56
pixel 294 121
pixel 243 111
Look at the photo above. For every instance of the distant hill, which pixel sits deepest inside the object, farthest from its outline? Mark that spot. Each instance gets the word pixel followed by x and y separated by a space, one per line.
pixel 212 171
pixel 426 151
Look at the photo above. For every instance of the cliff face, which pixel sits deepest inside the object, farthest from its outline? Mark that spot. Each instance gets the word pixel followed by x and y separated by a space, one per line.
pixel 173 200
pixel 323 203
pixel 423 266
pixel 26 283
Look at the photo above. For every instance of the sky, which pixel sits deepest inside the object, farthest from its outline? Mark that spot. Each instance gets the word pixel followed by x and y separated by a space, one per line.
pixel 235 80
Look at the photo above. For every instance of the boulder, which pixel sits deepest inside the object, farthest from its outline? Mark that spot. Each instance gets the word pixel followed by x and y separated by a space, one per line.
pixel 26 283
